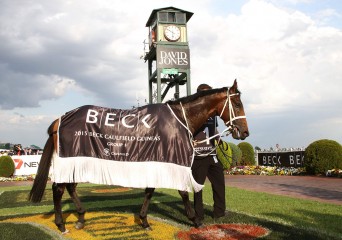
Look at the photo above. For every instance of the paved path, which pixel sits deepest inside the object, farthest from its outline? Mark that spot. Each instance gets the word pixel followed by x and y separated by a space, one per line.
pixel 324 189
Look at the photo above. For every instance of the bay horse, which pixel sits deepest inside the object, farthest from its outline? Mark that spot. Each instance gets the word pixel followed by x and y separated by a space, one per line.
pixel 192 111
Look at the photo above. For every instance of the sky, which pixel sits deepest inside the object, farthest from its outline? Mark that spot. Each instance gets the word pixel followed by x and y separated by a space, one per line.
pixel 285 54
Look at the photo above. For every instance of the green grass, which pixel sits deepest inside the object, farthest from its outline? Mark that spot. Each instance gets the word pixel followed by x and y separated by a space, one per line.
pixel 286 217
pixel 323 219
pixel 25 231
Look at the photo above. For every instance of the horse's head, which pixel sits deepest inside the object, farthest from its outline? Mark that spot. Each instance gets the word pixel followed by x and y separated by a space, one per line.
pixel 233 114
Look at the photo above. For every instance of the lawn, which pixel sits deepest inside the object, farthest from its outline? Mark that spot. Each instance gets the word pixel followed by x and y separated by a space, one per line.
pixel 111 214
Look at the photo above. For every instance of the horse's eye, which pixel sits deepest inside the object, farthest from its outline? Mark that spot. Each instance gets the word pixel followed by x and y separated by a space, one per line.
pixel 238 105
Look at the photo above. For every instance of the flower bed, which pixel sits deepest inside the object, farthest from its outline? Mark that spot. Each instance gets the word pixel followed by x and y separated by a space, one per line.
pixel 105 225
pixel 334 173
pixel 18 178
pixel 231 231
pixel 264 170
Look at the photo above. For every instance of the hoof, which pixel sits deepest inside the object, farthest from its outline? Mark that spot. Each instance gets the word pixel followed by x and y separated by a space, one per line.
pixel 65 232
pixel 79 225
pixel 146 226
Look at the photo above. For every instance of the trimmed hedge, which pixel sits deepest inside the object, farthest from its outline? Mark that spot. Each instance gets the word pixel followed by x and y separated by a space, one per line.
pixel 236 154
pixel 7 166
pixel 224 154
pixel 247 154
pixel 323 155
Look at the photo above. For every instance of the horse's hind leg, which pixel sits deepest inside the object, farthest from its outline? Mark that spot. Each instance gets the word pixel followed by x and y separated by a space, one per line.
pixel 188 209
pixel 71 187
pixel 144 208
pixel 58 191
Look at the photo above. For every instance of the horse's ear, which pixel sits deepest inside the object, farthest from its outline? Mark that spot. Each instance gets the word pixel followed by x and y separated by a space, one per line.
pixel 235 86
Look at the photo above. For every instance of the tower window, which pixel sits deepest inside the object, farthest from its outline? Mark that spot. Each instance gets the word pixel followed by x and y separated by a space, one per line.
pixel 172 17
pixel 180 17
pixel 163 16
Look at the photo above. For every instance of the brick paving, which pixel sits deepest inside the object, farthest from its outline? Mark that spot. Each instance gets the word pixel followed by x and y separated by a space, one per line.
pixel 323 189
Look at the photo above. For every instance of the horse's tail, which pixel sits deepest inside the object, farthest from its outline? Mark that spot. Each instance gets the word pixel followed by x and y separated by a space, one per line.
pixel 39 184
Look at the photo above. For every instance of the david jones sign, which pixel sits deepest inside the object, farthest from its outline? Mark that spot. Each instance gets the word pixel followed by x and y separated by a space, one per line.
pixel 173 57
pixel 283 159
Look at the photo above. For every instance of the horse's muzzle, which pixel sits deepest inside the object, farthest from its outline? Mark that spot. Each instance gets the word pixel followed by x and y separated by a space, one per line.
pixel 238 134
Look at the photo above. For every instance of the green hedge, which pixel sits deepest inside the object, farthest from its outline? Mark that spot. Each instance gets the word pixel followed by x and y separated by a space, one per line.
pixel 7 166
pixel 323 155
pixel 224 154
pixel 236 154
pixel 247 150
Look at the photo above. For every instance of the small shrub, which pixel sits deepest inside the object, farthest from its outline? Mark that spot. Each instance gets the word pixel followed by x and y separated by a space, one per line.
pixel 236 154
pixel 7 166
pixel 323 155
pixel 224 154
pixel 247 154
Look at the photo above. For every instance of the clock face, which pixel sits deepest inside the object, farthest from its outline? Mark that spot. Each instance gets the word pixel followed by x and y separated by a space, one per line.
pixel 172 33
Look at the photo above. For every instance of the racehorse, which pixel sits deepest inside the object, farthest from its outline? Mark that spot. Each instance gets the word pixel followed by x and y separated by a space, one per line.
pixel 192 111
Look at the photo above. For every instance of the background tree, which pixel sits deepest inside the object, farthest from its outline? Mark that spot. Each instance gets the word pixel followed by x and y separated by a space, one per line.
pixel 247 153
pixel 323 155
pixel 236 154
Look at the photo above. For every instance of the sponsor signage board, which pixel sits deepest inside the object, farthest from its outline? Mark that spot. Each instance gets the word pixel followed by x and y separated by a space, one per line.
pixel 171 57
pixel 26 164
pixel 283 159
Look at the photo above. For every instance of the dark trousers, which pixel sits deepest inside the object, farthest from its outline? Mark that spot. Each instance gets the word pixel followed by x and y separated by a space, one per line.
pixel 206 167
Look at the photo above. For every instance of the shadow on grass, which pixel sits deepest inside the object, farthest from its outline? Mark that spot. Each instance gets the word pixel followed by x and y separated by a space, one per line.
pixel 15 231
pixel 170 208
pixel 314 219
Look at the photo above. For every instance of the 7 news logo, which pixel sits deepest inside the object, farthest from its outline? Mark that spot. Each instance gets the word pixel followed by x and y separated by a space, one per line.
pixel 18 163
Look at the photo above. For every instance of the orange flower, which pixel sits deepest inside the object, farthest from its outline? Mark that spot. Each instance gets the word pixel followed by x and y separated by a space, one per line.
pixel 224 231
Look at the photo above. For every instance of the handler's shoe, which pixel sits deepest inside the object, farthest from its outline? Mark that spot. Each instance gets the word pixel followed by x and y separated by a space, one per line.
pixel 219 217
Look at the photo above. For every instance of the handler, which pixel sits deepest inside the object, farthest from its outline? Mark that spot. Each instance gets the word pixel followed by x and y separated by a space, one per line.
pixel 206 165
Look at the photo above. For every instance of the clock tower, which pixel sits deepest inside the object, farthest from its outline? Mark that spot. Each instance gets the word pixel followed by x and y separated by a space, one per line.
pixel 168 54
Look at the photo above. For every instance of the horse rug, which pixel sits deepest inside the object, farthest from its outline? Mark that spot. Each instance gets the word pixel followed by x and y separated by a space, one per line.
pixel 141 147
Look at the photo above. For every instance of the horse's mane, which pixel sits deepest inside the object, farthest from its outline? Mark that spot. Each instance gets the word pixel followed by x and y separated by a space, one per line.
pixel 195 96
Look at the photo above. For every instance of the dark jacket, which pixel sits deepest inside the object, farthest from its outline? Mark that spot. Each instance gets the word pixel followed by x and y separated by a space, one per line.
pixel 207 130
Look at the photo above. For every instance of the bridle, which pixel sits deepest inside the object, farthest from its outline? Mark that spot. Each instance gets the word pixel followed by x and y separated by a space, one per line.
pixel 230 125
pixel 232 116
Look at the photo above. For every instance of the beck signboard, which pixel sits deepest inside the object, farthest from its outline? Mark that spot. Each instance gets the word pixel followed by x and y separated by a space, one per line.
pixel 283 159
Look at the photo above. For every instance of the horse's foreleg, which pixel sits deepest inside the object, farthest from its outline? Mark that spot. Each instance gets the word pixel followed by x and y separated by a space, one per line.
pixel 71 187
pixel 58 191
pixel 188 209
pixel 144 208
